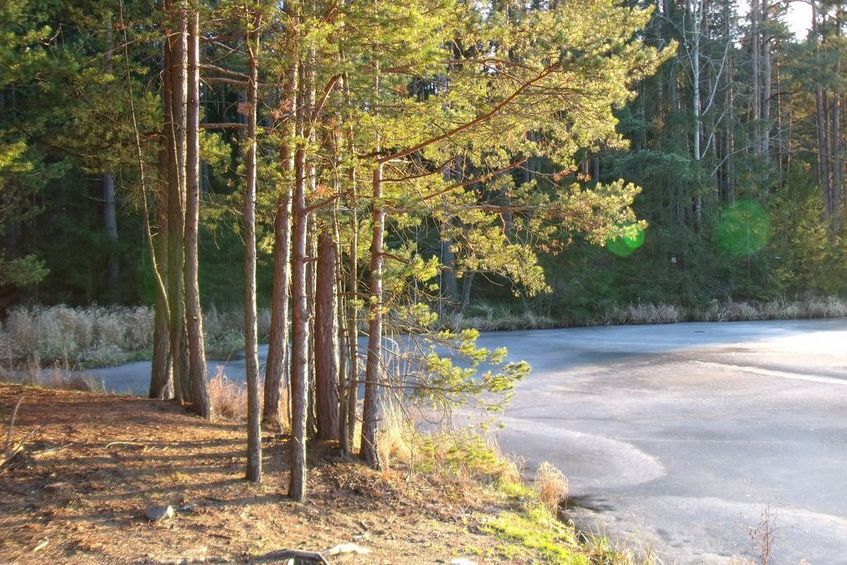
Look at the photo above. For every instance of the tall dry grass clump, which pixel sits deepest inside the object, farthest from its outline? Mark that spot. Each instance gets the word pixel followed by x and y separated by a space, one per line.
pixel 395 437
pixel 639 314
pixel 487 317
pixel 228 398
pixel 551 485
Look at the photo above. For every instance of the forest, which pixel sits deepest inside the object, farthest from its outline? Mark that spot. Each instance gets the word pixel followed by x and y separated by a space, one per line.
pixel 360 171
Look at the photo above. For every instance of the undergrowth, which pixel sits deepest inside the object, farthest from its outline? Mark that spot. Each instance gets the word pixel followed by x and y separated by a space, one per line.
pixel 529 524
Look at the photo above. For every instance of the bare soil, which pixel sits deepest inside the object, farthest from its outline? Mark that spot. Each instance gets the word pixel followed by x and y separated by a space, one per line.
pixel 92 464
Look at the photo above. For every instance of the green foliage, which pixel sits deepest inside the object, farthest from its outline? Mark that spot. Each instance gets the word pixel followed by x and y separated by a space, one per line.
pixel 22 272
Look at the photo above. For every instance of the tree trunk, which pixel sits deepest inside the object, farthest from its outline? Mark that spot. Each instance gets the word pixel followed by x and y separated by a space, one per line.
pixel 697 18
pixel 822 128
pixel 766 84
pixel 278 346
pixel 299 313
pixel 251 354
pixel 110 223
pixel 312 253
pixel 110 217
pixel 370 415
pixel 198 373
pixel 449 281
pixel 176 131
pixel 326 338
pixel 161 377
pixel 352 391
pixel 467 285
pixel 836 158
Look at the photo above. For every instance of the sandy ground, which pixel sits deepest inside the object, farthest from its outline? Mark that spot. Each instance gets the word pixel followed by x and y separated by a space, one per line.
pixel 93 464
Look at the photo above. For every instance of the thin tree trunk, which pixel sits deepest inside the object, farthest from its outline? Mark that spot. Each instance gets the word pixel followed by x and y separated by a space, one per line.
pixel 299 313
pixel 836 158
pixel 822 128
pixel 326 338
pixel 110 223
pixel 467 285
pixel 251 354
pixel 110 217
pixel 697 16
pixel 353 290
pixel 198 373
pixel 766 84
pixel 312 253
pixel 161 377
pixel 370 415
pixel 176 202
pixel 278 346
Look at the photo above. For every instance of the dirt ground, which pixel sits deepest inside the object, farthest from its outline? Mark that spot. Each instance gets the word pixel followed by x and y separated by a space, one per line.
pixel 92 465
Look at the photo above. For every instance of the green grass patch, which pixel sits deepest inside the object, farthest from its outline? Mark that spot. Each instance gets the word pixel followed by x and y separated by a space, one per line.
pixel 536 528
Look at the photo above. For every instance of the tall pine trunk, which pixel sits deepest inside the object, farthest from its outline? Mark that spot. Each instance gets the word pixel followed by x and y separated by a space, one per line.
pixel 373 371
pixel 326 338
pixel 278 346
pixel 299 308
pixel 352 390
pixel 110 224
pixel 161 377
pixel 198 373
pixel 176 130
pixel 251 353
pixel 110 216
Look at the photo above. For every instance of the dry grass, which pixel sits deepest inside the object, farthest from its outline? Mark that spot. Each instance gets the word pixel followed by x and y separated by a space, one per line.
pixel 59 375
pixel 551 486
pixel 102 336
pixel 228 398
pixel 395 438
pixel 643 314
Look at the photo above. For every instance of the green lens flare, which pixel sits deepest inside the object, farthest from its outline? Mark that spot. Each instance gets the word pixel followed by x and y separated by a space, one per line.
pixel 743 229
pixel 625 245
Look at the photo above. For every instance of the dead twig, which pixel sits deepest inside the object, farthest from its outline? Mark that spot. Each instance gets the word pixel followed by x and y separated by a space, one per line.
pixel 11 431
pixel 128 443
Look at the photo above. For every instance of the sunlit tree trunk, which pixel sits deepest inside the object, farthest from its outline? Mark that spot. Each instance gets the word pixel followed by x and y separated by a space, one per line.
pixel 251 354
pixel 352 390
pixel 176 130
pixel 373 371
pixel 161 377
pixel 824 177
pixel 299 307
pixel 326 338
pixel 197 376
pixel 278 346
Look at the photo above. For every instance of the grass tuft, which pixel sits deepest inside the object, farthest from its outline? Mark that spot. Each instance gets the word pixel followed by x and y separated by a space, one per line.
pixel 551 486
pixel 228 398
